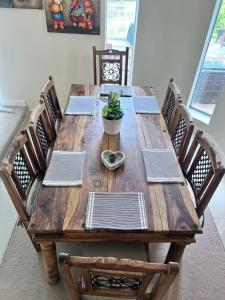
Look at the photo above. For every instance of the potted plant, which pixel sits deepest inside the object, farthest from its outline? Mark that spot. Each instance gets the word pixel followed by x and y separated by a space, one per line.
pixel 112 114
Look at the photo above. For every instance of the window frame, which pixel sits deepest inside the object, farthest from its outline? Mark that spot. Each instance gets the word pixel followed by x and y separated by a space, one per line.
pixel 130 78
pixel 197 113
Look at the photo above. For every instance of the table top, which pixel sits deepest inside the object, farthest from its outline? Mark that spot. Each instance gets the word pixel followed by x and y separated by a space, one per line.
pixel 62 210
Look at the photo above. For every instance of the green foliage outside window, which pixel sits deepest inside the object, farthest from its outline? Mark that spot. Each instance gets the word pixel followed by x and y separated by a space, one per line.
pixel 220 22
pixel 120 14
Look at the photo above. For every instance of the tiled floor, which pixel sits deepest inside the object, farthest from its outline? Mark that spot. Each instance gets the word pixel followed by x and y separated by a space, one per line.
pixel 217 207
pixel 8 215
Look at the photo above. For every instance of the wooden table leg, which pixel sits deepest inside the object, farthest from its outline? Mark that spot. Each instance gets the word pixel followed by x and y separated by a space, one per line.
pixel 175 252
pixel 49 257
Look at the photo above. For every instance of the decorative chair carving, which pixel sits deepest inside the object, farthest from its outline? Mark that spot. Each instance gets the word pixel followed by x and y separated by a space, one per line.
pixel 181 128
pixel 172 97
pixel 203 170
pixel 50 99
pixel 42 133
pixel 112 66
pixel 21 174
pixel 118 278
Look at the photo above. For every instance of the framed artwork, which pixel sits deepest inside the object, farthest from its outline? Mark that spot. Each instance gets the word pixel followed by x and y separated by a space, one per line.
pixel 73 16
pixel 31 4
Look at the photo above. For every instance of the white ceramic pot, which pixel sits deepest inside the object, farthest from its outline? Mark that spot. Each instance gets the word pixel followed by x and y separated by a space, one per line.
pixel 112 127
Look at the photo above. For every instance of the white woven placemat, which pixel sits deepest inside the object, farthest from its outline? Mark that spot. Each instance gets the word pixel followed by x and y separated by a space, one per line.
pixel 146 105
pixel 122 211
pixel 65 169
pixel 161 166
pixel 81 105
pixel 107 88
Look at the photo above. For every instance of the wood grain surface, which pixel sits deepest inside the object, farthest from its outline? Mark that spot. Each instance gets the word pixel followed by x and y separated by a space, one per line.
pixel 60 211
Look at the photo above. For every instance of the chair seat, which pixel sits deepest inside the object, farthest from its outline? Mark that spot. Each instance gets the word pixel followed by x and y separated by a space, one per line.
pixel 194 202
pixel 57 125
pixel 191 193
pixel 33 195
pixel 136 251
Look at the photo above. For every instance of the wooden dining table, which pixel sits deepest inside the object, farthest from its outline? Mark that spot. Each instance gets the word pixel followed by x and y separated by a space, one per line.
pixel 60 212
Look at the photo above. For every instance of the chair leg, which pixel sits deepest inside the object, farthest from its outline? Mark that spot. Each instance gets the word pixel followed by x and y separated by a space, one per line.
pixel 175 252
pixel 83 249
pixel 147 251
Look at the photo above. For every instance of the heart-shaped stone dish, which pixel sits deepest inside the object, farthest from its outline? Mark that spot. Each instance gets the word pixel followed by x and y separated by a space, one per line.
pixel 112 160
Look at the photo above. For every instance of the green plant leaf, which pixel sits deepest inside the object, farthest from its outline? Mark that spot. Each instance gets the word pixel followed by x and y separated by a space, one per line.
pixel 112 111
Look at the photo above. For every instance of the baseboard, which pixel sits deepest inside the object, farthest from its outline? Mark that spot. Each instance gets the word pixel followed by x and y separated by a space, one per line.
pixel 13 103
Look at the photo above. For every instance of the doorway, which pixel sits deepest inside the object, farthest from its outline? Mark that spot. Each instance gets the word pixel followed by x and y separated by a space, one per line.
pixel 121 23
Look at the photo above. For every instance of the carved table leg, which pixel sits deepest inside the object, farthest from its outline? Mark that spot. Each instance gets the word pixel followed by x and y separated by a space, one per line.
pixel 50 262
pixel 175 252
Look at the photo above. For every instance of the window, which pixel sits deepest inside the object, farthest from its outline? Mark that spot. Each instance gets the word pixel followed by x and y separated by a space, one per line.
pixel 121 27
pixel 210 76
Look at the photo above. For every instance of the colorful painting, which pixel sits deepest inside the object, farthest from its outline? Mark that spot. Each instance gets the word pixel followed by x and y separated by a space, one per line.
pixel 31 4
pixel 73 16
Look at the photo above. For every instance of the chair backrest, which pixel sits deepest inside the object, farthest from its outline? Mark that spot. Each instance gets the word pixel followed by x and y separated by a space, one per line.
pixel 181 128
pixel 203 169
pixel 43 135
pixel 112 64
pixel 19 170
pixel 118 278
pixel 49 97
pixel 172 97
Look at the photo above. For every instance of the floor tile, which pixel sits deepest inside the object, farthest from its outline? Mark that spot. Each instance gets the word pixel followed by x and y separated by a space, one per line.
pixel 6 205
pixel 217 220
pixel 217 203
pixel 221 226
pixel 223 238
pixel 7 224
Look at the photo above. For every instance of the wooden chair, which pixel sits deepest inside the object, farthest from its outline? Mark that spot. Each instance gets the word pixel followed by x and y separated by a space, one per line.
pixel 117 278
pixel 50 99
pixel 181 128
pixel 22 176
pixel 172 97
pixel 110 66
pixel 42 134
pixel 203 170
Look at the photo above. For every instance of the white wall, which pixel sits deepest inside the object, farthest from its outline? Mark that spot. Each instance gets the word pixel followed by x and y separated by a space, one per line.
pixel 169 43
pixel 29 54
pixel 170 38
